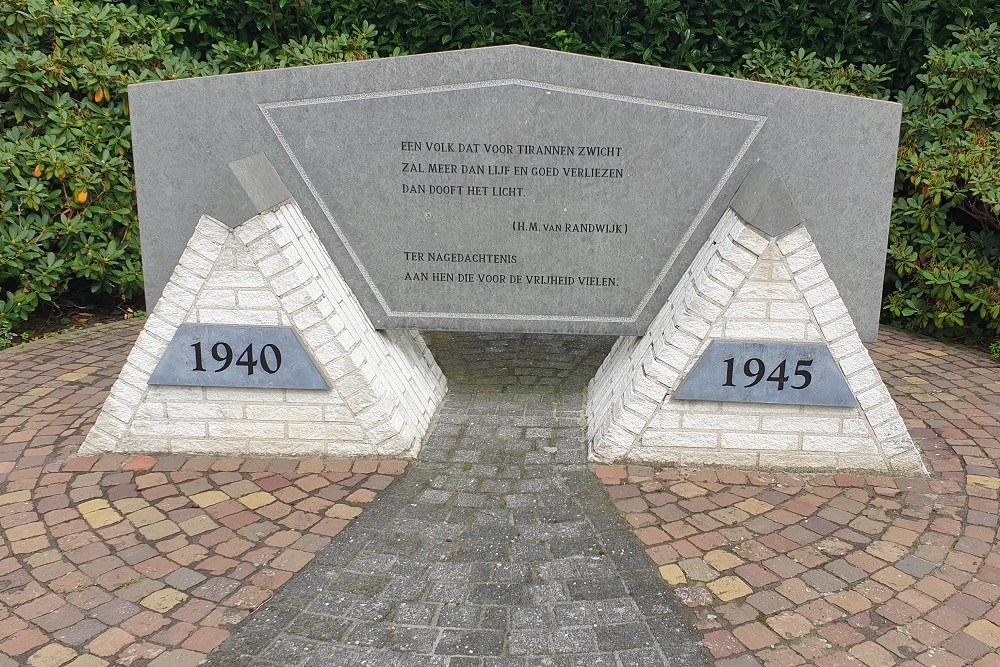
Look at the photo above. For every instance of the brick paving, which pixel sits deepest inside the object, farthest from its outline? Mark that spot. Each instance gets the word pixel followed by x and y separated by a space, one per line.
pixel 844 570
pixel 156 560
pixel 140 560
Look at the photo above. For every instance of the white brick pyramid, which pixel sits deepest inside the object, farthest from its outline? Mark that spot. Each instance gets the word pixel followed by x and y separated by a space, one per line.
pixel 273 270
pixel 745 286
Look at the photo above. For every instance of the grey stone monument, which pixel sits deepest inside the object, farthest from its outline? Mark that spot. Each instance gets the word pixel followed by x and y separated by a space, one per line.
pixel 512 188
pixel 298 225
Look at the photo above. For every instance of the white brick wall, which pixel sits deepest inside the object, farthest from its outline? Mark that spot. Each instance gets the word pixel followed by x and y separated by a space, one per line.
pixel 743 286
pixel 273 269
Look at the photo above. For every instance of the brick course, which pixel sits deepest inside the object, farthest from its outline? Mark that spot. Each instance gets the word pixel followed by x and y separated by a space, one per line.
pixel 743 286
pixel 272 270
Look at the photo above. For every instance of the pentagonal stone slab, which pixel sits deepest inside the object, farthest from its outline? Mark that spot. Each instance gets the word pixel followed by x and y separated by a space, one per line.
pixel 506 201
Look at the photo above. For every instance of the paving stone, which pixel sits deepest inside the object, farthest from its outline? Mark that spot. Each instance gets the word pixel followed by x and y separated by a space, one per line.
pixel 205 640
pixel 755 636
pixel 930 545
pixel 769 602
pixel 984 631
pixel 109 642
pixel 789 625
pixel 209 498
pixel 80 633
pixel 476 528
pixel 88 661
pixel 22 641
pixel 697 569
pixel 178 658
pixel 52 655
pixel 729 588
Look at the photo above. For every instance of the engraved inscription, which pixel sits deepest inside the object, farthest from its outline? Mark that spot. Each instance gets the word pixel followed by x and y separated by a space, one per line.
pixel 510 199
pixel 219 355
pixel 767 372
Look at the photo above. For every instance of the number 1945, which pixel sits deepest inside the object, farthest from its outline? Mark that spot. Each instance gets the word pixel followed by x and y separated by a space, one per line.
pixel 754 370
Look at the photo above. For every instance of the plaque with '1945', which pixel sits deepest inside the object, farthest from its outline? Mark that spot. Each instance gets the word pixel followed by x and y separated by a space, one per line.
pixel 767 372
pixel 220 355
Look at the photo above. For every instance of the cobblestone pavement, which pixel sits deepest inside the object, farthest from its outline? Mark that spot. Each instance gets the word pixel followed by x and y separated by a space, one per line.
pixel 140 560
pixel 498 548
pixel 842 570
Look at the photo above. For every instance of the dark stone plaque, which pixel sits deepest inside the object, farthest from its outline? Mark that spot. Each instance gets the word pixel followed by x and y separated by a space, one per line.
pixel 221 355
pixel 767 372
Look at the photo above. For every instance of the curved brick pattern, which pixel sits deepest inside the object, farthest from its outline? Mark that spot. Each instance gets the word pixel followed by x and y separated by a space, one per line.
pixel 498 548
pixel 272 270
pixel 742 286
pixel 950 400
pixel 838 570
pixel 136 560
pixel 779 570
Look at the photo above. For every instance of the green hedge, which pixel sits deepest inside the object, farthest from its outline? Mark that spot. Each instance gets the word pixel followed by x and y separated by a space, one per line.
pixel 67 204
pixel 705 35
pixel 68 227
pixel 943 271
pixel 943 262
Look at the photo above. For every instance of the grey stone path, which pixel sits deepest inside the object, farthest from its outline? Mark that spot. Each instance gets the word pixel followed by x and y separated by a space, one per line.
pixel 498 548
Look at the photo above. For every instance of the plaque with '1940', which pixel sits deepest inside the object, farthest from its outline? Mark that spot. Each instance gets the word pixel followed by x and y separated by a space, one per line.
pixel 220 355
pixel 767 372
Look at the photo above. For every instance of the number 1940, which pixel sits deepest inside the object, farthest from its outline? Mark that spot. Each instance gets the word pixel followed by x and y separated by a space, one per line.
pixel 269 359
pixel 754 370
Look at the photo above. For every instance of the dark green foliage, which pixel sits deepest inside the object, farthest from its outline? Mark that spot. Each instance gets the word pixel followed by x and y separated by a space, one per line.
pixel 67 216
pixel 951 128
pixel 706 35
pixel 943 264
pixel 67 200
pixel 944 281
pixel 807 70
pixel 943 268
